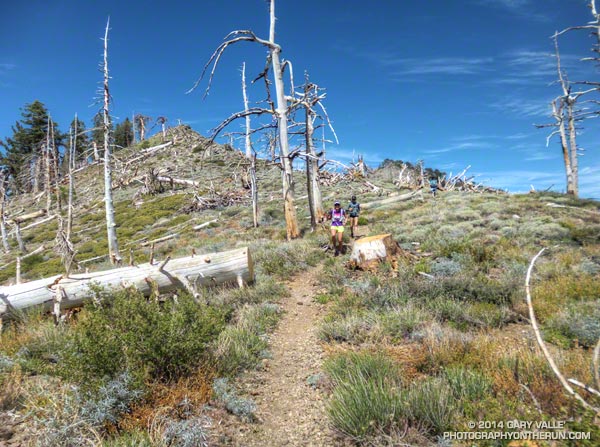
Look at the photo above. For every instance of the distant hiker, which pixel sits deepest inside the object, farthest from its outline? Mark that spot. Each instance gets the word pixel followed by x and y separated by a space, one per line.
pixel 338 219
pixel 353 212
pixel 433 184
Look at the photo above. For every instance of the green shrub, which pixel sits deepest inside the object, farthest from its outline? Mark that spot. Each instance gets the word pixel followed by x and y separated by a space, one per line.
pixel 227 395
pixel 130 439
pixel 238 349
pixel 467 385
pixel 366 398
pixel 258 319
pixel 430 404
pixel 157 341
pixel 579 321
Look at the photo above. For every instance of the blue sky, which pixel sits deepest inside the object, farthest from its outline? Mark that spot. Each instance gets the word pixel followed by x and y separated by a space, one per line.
pixel 454 83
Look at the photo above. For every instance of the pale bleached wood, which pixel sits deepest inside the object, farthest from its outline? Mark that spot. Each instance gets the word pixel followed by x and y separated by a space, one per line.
pixel 111 226
pixel 542 344
pixel 393 199
pixel 371 250
pixel 200 271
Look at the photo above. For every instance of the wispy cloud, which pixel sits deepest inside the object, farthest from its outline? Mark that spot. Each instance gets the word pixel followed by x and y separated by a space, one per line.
pixel 437 66
pixel 465 145
pixel 523 107
pixel 521 8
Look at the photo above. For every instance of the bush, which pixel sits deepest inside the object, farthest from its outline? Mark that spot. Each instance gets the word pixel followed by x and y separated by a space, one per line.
pixel 110 401
pixel 467 385
pixel 366 398
pixel 430 404
pixel 226 394
pixel 133 439
pixel 238 349
pixel 259 318
pixel 579 321
pixel 155 341
pixel 185 433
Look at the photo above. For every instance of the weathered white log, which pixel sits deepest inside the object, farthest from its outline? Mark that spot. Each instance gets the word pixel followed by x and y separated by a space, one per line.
pixel 25 217
pixel 204 225
pixel 371 250
pixel 160 239
pixel 198 271
pixel 389 200
pixel 39 222
pixel 177 181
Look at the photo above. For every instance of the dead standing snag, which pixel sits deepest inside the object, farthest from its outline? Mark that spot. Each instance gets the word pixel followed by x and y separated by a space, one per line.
pixel 281 110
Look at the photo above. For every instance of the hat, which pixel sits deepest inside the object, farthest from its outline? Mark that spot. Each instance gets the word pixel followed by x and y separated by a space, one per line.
pixel 336 203
pixel 353 198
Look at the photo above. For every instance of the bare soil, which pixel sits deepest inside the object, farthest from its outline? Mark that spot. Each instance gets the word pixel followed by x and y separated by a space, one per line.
pixel 291 411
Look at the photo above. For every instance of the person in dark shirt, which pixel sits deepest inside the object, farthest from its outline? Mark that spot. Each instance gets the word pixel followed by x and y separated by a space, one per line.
pixel 353 211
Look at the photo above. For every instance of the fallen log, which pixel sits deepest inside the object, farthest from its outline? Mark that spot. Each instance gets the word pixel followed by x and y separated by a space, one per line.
pixel 25 217
pixel 190 273
pixel 177 181
pixel 370 251
pixel 389 200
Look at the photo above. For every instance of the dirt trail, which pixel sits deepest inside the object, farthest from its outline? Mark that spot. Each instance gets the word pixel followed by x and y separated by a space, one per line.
pixel 290 411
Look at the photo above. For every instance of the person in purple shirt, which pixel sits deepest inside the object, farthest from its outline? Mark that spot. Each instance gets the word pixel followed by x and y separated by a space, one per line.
pixel 338 219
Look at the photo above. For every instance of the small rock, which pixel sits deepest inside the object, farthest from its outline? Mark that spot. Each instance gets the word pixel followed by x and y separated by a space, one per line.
pixel 299 303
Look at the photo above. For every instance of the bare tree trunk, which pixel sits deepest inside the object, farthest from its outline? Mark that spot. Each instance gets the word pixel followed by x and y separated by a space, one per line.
pixel 249 154
pixel 291 221
pixel 315 201
pixel 47 161
pixel 133 125
pixel 3 181
pixel 72 147
pixel 55 166
pixel 573 187
pixel 19 238
pixel 248 143
pixel 111 227
pixel 254 190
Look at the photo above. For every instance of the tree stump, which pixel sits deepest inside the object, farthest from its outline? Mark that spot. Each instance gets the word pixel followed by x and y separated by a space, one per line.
pixel 370 251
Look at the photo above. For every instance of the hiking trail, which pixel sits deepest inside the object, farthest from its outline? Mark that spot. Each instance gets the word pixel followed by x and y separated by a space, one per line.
pixel 290 412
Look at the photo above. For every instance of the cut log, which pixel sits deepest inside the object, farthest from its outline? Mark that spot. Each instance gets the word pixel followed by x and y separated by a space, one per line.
pixel 370 251
pixel 229 267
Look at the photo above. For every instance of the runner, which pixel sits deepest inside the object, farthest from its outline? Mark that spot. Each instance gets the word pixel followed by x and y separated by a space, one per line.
pixel 353 212
pixel 338 219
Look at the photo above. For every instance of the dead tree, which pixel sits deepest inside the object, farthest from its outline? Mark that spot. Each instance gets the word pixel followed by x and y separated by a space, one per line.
pixel 142 120
pixel 250 154
pixel 111 227
pixel 566 116
pixel 162 120
pixel 3 187
pixel 563 107
pixel 72 146
pixel 281 111
pixel 308 99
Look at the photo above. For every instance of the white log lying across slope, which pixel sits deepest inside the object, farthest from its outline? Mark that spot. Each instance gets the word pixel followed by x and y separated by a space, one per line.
pixel 392 199
pixel 177 181
pixel 234 266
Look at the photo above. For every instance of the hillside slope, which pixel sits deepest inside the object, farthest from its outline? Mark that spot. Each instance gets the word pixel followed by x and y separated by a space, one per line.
pixel 415 348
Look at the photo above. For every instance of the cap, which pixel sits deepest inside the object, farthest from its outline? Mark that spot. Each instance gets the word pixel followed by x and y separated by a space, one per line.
pixel 353 198
pixel 336 203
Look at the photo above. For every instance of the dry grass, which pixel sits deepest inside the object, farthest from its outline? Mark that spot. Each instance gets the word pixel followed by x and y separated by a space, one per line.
pixel 174 400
